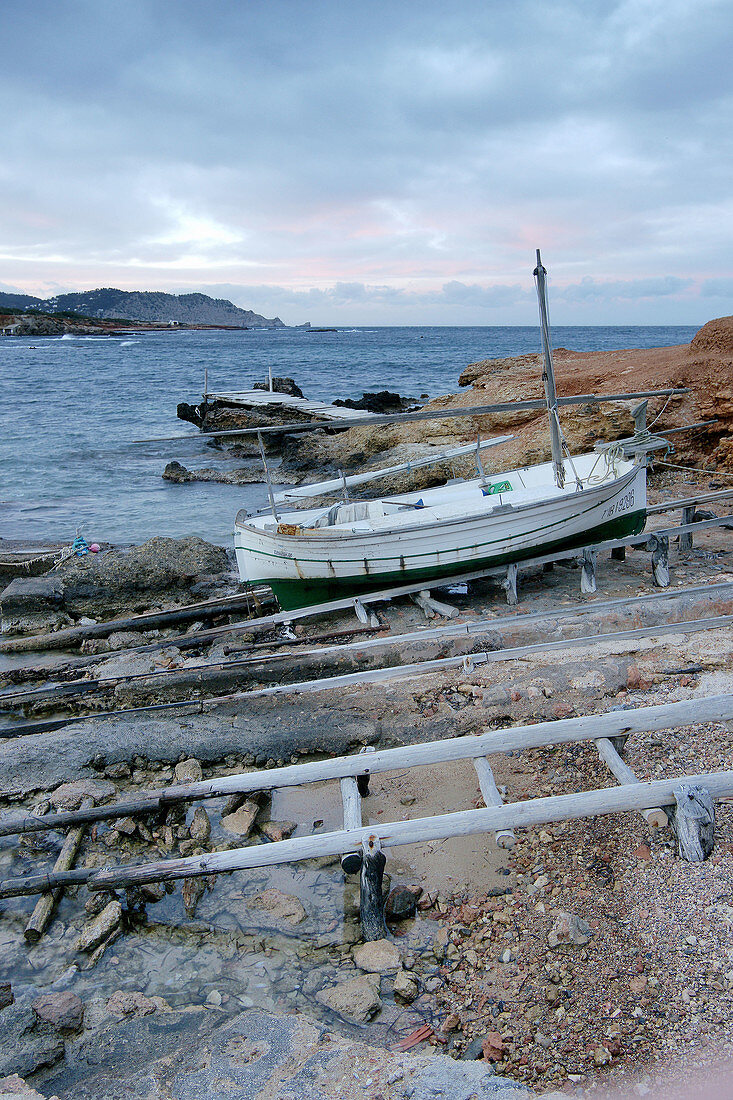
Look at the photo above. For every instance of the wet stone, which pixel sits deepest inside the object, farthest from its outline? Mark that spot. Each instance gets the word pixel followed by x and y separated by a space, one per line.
pixel 133 1003
pixel 200 828
pixel 278 830
pixel 378 957
pixel 278 907
pixel 355 999
pixel 69 796
pixel 188 771
pixel 405 988
pixel 401 903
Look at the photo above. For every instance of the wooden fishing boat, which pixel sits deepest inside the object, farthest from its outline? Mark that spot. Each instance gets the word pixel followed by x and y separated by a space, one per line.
pixel 312 555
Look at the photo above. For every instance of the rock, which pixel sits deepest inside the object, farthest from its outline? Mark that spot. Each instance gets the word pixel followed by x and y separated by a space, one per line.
pixel 188 771
pixel 278 907
pixel 16 1086
pixel 192 891
pixel 118 580
pixel 6 995
pixel 241 822
pixel 492 1046
pixel 405 987
pixel 280 385
pixel 401 903
pixel 132 1003
pixel 64 1012
pixel 378 957
pixel 278 830
pixel 569 929
pixel 33 604
pixel 25 1044
pixel 474 1050
pixel 69 796
pixel 200 828
pixel 601 1056
pixel 356 999
pixel 99 929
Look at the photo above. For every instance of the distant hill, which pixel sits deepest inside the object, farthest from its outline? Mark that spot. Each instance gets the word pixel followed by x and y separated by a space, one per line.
pixel 144 305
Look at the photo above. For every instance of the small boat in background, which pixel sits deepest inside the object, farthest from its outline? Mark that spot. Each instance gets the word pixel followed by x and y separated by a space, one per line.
pixel 313 555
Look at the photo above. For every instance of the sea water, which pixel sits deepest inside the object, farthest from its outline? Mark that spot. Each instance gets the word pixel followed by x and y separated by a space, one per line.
pixel 74 407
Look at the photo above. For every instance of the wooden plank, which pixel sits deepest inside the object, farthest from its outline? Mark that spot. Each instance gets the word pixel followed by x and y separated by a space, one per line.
pixel 41 916
pixel 351 799
pixel 688 502
pixel 505 838
pixel 716 708
pixel 539 811
pixel 655 817
pixel 537 405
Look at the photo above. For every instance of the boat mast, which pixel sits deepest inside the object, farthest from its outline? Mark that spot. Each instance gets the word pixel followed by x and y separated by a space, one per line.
pixel 548 376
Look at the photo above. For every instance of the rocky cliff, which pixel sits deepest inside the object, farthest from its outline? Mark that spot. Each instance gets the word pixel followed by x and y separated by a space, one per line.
pixel 144 305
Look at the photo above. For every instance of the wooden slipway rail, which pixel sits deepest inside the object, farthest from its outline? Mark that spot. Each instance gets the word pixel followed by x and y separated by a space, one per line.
pixel 361 846
pixel 368 648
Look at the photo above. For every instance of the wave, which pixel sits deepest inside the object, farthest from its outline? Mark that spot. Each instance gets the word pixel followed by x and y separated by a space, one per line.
pixel 128 343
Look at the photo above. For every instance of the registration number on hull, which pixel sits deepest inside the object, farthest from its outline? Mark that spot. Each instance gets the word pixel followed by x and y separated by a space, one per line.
pixel 621 505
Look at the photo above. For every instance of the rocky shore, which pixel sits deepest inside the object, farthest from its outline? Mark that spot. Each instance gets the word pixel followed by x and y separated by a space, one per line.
pixel 582 960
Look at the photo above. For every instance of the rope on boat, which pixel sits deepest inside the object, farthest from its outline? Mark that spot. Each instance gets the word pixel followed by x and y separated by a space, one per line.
pixel 694 469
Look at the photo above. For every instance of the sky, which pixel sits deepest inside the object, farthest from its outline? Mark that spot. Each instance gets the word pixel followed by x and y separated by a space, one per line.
pixel 374 163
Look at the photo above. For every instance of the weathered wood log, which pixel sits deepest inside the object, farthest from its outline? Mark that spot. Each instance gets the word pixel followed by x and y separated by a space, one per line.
pixel 41 915
pixel 371 894
pixel 688 516
pixel 693 821
pixel 716 708
pixel 505 838
pixel 433 607
pixel 588 573
pixel 65 639
pixel 656 817
pixel 635 796
pixel 351 861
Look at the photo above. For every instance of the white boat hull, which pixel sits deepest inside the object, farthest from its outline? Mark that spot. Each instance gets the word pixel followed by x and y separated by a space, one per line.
pixel 440 532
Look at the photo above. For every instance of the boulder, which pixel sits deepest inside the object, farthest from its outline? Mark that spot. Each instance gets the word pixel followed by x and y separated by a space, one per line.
pixel 405 987
pixel 401 903
pixel 132 1003
pixel 378 957
pixel 281 385
pixel 355 999
pixel 118 580
pixel 278 908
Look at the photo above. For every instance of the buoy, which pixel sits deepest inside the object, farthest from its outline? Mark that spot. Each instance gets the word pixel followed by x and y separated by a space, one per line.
pixel 95 548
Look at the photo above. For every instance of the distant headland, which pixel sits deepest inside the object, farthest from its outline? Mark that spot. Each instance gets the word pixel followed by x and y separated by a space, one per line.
pixel 143 307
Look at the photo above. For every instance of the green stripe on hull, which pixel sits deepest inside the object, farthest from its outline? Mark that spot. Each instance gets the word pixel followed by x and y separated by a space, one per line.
pixel 303 593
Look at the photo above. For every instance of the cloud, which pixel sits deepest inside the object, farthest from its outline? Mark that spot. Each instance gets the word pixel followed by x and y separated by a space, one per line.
pixel 395 145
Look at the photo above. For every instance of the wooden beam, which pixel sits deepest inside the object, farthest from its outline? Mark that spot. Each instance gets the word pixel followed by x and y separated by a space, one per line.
pixel 490 793
pixel 41 915
pixel 716 708
pixel 539 811
pixel 351 799
pixel 537 405
pixel 655 817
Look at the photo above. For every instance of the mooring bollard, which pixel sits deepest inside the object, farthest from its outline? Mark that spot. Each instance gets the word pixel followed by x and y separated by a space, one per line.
pixel 371 898
pixel 693 821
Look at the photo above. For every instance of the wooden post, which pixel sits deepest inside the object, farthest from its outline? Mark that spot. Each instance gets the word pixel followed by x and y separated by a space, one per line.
pixel 351 799
pixel 655 816
pixel 659 547
pixel 41 915
pixel 510 584
pixel 688 516
pixel 371 897
pixel 618 553
pixel 693 821
pixel 269 377
pixel 504 837
pixel 588 573
pixel 362 781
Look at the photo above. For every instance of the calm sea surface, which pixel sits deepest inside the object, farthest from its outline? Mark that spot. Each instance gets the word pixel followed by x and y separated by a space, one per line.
pixel 72 407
